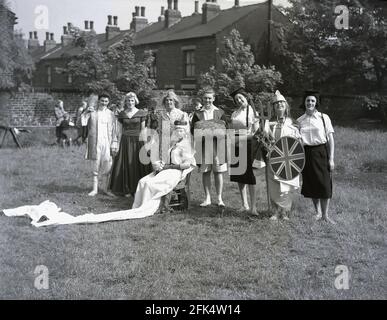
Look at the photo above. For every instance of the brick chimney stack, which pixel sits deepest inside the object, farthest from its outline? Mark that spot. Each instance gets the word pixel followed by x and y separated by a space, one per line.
pixel 111 30
pixel 196 12
pixel 49 43
pixel 33 41
pixel 172 16
pixel 139 22
pixel 236 3
pixel 162 17
pixel 210 10
pixel 67 38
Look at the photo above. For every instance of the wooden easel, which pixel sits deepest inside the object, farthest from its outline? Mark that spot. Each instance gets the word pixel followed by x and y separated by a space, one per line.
pixel 14 136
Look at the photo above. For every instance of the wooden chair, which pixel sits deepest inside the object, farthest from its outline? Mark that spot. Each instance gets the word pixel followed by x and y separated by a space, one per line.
pixel 181 195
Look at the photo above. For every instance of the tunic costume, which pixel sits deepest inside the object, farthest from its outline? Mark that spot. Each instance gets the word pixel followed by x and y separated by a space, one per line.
pixel 128 167
pixel 280 189
pixel 101 139
pixel 316 177
pixel 216 164
pixel 243 145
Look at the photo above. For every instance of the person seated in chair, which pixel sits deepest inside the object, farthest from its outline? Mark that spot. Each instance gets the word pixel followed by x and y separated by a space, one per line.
pixel 168 174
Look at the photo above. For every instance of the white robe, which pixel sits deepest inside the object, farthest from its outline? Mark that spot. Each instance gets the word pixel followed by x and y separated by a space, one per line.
pixel 149 191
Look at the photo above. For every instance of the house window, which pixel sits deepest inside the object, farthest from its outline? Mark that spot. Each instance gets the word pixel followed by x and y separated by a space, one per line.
pixel 153 67
pixel 69 78
pixel 189 63
pixel 49 75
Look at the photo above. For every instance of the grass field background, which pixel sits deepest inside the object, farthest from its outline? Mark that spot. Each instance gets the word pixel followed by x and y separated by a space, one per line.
pixel 197 254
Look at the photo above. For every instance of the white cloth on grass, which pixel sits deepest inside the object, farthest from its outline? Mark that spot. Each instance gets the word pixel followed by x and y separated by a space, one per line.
pixel 150 189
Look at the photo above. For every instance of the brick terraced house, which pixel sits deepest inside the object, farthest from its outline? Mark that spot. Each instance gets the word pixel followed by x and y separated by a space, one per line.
pixel 183 47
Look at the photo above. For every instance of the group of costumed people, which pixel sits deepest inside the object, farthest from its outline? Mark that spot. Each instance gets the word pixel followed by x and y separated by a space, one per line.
pixel 144 155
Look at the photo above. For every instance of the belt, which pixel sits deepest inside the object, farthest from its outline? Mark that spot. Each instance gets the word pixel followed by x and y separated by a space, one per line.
pixel 131 133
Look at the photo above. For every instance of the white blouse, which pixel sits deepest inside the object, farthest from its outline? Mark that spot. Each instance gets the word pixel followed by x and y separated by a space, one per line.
pixel 238 120
pixel 312 128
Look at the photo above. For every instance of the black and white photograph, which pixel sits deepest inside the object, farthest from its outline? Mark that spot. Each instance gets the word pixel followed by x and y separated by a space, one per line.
pixel 212 151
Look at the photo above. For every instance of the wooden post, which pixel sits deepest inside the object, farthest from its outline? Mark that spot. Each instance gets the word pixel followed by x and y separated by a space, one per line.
pixel 14 136
pixel 267 188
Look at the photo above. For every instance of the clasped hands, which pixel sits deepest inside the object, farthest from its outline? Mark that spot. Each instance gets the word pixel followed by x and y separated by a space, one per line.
pixel 161 165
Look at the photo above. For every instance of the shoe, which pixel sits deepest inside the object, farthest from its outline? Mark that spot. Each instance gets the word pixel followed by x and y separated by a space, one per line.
pixel 243 209
pixel 274 217
pixel 205 204
pixel 92 193
pixel 327 219
pixel 285 215
pixel 108 193
pixel 254 213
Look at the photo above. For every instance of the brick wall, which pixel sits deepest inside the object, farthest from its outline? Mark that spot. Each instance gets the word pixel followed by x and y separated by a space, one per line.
pixel 170 60
pixel 35 109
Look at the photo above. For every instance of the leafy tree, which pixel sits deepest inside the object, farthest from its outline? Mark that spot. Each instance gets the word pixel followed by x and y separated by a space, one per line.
pixel 115 71
pixel 132 75
pixel 91 70
pixel 314 53
pixel 16 64
pixel 238 69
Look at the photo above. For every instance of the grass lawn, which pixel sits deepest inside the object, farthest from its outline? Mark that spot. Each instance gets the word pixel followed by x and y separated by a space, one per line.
pixel 197 254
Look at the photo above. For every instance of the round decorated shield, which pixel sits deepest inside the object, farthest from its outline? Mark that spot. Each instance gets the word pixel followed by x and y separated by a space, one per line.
pixel 287 158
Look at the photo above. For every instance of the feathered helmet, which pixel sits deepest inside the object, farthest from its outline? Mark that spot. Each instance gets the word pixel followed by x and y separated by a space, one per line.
pixel 278 97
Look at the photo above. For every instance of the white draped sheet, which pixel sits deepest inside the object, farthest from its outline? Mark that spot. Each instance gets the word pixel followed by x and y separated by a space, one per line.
pixel 150 189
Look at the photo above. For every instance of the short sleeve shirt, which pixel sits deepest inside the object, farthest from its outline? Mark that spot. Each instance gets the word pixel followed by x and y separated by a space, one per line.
pixel 209 114
pixel 312 128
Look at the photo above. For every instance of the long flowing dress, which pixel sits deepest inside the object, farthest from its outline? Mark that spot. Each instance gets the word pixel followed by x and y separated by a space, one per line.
pixel 279 189
pixel 128 167
pixel 150 189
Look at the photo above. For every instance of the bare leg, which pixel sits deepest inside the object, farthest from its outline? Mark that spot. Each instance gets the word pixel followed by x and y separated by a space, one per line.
pixel 253 199
pixel 207 186
pixel 218 177
pixel 317 207
pixel 243 191
pixel 325 209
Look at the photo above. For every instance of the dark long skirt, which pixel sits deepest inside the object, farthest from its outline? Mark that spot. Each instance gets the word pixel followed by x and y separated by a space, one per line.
pixel 127 168
pixel 316 177
pixel 247 177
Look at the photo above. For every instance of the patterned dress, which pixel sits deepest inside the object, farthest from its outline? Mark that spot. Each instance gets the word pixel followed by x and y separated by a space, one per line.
pixel 131 162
